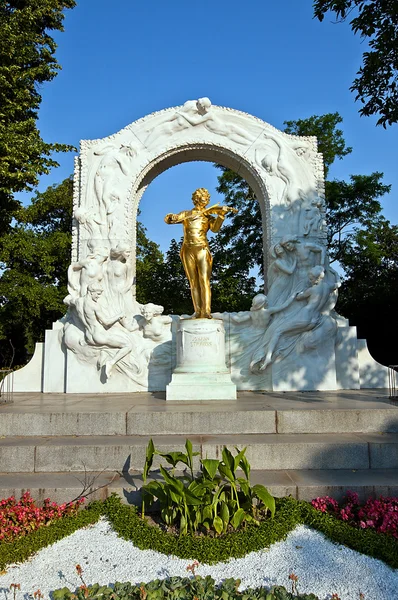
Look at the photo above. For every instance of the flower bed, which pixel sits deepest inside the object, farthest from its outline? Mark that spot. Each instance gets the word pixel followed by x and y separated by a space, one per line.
pixel 127 524
pixel 19 518
pixel 379 514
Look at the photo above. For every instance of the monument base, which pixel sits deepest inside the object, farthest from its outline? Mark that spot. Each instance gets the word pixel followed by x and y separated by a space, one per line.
pixel 203 386
pixel 201 372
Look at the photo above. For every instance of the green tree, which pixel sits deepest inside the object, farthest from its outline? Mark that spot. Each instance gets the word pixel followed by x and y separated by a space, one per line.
pixel 34 259
pixel 171 283
pixel 149 260
pixel 26 61
pixel 369 293
pixel 376 21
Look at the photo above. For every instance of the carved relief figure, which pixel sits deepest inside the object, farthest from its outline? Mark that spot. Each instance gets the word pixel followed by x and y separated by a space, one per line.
pixel 313 218
pixel 306 319
pixel 98 330
pixel 119 282
pixel 277 162
pixel 156 326
pixel 194 113
pixel 195 251
pixel 281 269
pixel 114 165
pixel 260 313
pixel 309 254
pixel 91 223
pixel 86 271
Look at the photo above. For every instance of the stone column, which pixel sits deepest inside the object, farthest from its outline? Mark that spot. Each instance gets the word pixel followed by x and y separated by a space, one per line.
pixel 201 373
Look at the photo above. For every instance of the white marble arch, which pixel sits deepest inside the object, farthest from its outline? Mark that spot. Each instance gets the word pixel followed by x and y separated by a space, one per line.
pixel 107 342
pixel 284 171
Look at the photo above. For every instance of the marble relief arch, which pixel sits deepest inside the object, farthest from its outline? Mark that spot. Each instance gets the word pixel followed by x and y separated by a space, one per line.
pixel 286 341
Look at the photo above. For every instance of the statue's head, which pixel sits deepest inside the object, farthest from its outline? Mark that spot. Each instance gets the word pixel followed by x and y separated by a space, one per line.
pixel 289 243
pixel 121 251
pixel 277 250
pixel 95 290
pixel 151 310
pixel 259 301
pixel 316 274
pixel 201 197
pixel 203 105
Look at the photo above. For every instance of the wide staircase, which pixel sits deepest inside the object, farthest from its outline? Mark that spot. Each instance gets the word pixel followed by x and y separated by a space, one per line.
pixel 303 444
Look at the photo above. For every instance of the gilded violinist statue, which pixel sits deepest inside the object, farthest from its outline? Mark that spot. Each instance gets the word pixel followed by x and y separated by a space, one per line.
pixel 195 251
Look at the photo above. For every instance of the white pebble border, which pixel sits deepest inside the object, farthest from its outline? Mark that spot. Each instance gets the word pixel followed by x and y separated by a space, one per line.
pixel 322 567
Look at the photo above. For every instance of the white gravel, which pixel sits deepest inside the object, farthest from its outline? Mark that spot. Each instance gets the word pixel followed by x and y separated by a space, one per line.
pixel 322 567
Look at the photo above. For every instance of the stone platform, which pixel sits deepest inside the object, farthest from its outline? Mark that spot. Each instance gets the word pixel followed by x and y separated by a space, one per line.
pixel 300 443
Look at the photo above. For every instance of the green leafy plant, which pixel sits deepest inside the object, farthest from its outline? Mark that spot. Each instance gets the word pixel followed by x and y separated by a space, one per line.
pixel 217 499
pixel 179 588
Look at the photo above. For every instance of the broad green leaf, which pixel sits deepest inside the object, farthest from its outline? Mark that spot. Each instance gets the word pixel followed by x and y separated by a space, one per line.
pixel 150 451
pixel 210 465
pixel 238 457
pixel 207 513
pixel 173 458
pixel 224 514
pixel 245 487
pixel 263 494
pixel 218 524
pixel 155 489
pixel 173 481
pixel 226 472
pixel 183 525
pixel 191 499
pixel 190 454
pixel 245 466
pixel 237 518
pixel 228 458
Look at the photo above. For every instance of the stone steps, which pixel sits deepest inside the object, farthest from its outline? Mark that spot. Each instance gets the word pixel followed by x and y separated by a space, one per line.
pixel 251 414
pixel 270 451
pixel 304 444
pixel 301 484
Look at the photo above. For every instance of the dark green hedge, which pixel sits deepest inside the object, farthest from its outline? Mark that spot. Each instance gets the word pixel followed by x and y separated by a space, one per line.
pixel 289 514
pixel 127 523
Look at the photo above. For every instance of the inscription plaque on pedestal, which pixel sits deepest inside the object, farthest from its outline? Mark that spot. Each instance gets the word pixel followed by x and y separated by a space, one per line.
pixel 201 372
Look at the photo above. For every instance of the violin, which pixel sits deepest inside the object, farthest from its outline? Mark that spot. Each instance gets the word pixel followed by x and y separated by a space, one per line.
pixel 216 209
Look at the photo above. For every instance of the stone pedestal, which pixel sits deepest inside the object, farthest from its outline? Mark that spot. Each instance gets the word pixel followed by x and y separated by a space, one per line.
pixel 201 373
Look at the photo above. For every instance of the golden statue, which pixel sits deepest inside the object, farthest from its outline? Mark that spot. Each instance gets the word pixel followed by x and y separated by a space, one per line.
pixel 195 251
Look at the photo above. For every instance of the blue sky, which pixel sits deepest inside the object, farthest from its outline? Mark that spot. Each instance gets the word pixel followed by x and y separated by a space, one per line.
pixel 124 59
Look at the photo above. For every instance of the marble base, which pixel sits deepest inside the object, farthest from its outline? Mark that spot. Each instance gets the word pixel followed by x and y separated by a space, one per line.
pixel 201 372
pixel 203 386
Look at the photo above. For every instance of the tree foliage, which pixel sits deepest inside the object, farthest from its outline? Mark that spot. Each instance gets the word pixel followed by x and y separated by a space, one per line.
pixel 27 60
pixel 351 206
pixel 34 259
pixel 376 21
pixel 369 293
